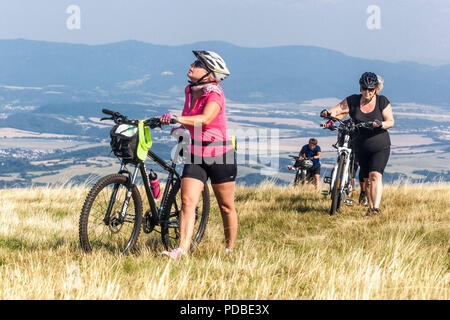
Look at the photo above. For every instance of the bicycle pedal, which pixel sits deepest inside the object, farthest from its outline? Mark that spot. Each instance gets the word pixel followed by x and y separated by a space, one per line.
pixel 348 203
pixel 173 224
pixel 327 180
pixel 325 192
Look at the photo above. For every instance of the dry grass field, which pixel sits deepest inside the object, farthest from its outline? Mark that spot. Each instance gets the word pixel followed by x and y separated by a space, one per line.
pixel 288 248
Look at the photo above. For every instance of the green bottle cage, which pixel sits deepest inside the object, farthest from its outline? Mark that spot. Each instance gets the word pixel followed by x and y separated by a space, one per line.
pixel 145 141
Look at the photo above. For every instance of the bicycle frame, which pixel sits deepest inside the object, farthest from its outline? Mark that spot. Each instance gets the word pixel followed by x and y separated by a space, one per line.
pixel 140 167
pixel 169 182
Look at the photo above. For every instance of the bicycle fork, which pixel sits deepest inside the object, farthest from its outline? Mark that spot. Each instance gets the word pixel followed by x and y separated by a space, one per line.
pixel 344 180
pixel 112 200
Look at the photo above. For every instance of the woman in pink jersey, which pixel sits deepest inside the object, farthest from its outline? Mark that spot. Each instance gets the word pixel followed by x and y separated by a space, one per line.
pixel 212 151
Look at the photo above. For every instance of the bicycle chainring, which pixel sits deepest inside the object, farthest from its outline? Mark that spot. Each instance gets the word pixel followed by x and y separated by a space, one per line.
pixel 148 223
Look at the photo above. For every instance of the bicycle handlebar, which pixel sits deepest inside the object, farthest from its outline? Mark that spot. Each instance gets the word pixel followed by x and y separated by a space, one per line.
pixel 349 126
pixel 119 119
pixel 109 112
pixel 299 158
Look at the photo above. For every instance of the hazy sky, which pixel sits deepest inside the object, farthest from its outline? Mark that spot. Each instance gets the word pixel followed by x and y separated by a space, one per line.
pixel 416 30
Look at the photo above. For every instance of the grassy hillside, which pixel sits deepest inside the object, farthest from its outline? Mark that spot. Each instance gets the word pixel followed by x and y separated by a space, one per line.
pixel 288 248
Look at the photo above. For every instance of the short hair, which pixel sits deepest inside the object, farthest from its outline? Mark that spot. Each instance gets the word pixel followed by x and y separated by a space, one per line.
pixel 380 82
pixel 313 141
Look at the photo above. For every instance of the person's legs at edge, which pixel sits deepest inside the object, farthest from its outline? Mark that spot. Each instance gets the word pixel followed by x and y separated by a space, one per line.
pixel 224 193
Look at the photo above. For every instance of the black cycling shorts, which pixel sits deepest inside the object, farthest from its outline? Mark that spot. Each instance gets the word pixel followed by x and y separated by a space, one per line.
pixel 314 171
pixel 369 162
pixel 219 169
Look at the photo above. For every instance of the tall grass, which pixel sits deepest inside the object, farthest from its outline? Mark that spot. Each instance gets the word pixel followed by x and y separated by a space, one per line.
pixel 288 248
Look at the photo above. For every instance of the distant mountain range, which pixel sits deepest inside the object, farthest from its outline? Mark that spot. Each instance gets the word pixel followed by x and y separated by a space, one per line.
pixel 276 74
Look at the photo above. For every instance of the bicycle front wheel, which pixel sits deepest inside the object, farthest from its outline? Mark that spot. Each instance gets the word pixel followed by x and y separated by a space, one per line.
pixel 297 178
pixel 336 191
pixel 170 227
pixel 101 225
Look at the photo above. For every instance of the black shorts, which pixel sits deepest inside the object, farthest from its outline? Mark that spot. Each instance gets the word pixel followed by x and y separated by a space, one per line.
pixel 369 162
pixel 219 169
pixel 314 171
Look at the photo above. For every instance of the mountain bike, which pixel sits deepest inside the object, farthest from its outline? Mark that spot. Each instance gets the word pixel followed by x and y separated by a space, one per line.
pixel 301 167
pixel 343 173
pixel 111 216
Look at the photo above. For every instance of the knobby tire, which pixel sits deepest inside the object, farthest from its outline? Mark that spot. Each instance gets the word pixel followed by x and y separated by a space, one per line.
pixel 94 233
pixel 336 191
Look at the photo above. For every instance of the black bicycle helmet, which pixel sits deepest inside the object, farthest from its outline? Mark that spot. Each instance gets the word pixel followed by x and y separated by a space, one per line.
pixel 368 80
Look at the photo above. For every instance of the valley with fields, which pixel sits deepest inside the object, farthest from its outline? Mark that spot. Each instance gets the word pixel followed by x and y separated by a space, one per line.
pixel 31 154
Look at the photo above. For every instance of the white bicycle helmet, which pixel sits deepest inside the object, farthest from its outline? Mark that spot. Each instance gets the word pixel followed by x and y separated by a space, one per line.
pixel 214 63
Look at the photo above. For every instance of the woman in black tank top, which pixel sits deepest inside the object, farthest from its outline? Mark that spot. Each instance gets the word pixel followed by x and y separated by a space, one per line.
pixel 372 147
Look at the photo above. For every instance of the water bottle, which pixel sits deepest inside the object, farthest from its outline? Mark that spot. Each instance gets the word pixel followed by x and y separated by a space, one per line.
pixel 154 184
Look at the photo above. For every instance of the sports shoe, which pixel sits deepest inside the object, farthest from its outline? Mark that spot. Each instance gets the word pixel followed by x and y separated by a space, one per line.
pixel 175 253
pixel 373 212
pixel 376 211
pixel 363 198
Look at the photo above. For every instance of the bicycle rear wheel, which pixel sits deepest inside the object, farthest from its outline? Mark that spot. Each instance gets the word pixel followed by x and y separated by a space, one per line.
pixel 171 216
pixel 99 230
pixel 336 191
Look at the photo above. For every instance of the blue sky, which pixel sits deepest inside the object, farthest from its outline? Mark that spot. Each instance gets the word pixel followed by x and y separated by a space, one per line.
pixel 414 30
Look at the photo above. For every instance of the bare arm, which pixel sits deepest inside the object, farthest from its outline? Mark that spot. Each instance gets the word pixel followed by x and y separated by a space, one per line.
pixel 340 110
pixel 210 112
pixel 388 118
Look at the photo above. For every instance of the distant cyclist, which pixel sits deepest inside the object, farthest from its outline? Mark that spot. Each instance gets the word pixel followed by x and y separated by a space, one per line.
pixel 372 146
pixel 313 152
pixel 212 151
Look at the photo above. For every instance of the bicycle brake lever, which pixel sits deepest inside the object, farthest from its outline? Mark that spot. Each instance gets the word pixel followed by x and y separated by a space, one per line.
pixel 102 119
pixel 153 123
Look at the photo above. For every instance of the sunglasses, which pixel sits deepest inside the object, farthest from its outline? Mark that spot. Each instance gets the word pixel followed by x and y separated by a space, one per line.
pixel 199 64
pixel 367 89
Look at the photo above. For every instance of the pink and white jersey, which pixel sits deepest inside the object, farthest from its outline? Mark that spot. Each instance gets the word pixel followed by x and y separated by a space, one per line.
pixel 216 131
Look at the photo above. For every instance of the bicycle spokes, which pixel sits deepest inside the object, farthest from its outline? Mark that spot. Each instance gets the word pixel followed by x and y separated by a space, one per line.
pixel 103 223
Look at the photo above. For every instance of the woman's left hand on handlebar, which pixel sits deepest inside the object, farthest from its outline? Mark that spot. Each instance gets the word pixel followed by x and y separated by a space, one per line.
pixel 165 118
pixel 377 124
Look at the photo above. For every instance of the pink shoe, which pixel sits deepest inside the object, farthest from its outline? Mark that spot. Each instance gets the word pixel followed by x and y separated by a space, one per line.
pixel 175 253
